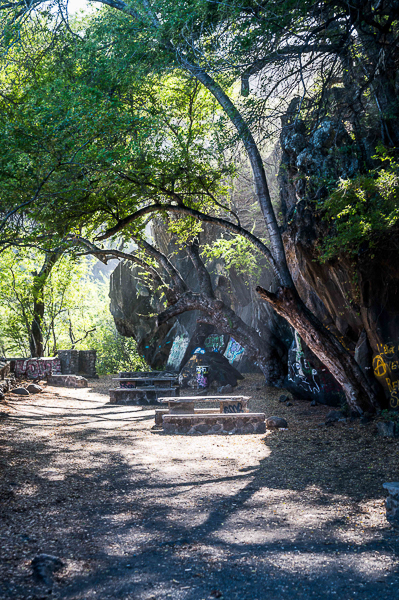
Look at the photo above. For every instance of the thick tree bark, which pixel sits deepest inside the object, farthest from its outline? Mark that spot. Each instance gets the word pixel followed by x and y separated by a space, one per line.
pixel 359 393
pixel 39 282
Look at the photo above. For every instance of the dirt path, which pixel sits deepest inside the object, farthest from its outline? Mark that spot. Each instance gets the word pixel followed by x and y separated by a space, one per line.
pixel 137 515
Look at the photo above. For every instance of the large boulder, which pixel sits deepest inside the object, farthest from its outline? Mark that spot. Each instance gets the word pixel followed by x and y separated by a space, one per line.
pixel 220 371
pixel 355 297
pixel 135 306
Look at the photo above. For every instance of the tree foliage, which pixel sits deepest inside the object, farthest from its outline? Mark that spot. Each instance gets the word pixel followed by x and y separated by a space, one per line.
pixel 76 311
pixel 361 211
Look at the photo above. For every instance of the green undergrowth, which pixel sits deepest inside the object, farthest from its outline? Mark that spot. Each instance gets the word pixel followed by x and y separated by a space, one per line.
pixel 361 210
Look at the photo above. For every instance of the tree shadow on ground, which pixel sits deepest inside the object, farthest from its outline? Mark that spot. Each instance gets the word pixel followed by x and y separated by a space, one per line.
pixel 126 529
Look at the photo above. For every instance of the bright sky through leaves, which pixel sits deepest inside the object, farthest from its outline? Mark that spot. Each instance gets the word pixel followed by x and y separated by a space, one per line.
pixel 77 5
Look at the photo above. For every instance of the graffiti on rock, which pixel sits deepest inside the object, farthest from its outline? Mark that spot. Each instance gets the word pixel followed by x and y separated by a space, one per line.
pixel 300 372
pixel 386 370
pixel 202 373
pixel 177 352
pixel 214 343
pixel 233 350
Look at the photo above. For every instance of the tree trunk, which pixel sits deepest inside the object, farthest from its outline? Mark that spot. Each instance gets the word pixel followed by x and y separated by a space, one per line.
pixel 359 393
pixel 287 303
pixel 39 282
pixel 36 335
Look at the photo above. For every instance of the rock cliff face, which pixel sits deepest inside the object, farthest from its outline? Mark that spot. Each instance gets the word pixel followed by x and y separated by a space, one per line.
pixel 357 298
pixel 134 307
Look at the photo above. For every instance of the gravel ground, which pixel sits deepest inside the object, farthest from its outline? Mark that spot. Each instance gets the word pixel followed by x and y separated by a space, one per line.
pixel 134 514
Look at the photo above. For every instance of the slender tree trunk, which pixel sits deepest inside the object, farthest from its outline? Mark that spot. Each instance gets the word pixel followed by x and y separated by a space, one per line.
pixel 36 334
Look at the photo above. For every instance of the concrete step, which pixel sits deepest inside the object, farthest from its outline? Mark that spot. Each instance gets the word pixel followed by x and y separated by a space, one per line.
pixel 160 412
pixel 214 423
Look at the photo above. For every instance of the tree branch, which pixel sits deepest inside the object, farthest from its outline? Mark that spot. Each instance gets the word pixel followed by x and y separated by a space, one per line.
pixel 203 274
pixel 105 254
pixel 197 215
pixel 165 263
pixel 189 301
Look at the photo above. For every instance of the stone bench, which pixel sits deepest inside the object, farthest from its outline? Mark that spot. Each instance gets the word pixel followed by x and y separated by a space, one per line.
pixel 214 423
pixel 186 404
pixel 139 396
pixel 74 381
pixel 160 412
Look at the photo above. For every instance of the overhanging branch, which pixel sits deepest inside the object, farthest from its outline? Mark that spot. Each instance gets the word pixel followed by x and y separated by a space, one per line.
pixel 154 208
pixel 287 53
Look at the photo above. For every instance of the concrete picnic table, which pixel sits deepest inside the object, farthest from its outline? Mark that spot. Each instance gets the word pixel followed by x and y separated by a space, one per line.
pixel 185 404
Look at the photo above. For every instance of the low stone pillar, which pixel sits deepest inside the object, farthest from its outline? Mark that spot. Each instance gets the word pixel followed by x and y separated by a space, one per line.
pixel 69 361
pixel 87 363
pixel 392 502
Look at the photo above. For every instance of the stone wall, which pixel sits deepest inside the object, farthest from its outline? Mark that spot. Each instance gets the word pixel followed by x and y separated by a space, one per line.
pixel 211 424
pixel 87 363
pixel 82 362
pixel 35 368
pixel 69 361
